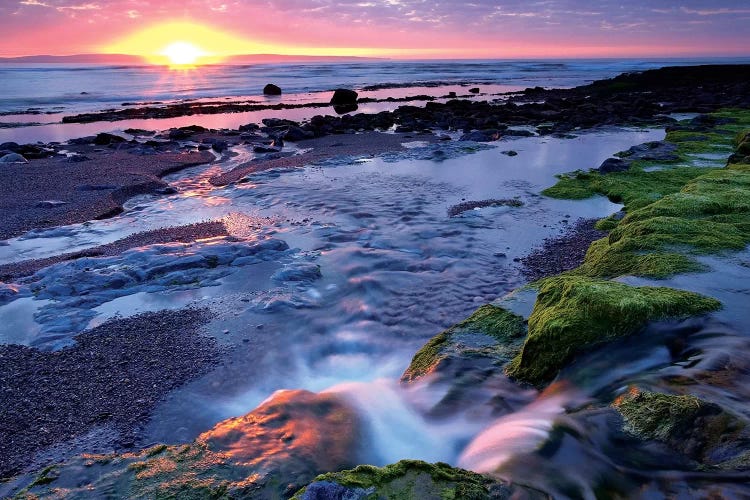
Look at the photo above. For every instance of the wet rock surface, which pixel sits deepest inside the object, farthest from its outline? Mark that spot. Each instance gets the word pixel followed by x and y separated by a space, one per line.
pixel 113 375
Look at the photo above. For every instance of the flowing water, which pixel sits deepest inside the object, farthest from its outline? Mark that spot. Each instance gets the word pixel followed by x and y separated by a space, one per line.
pixel 371 268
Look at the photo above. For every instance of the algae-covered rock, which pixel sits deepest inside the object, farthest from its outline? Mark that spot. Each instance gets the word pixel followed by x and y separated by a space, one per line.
pixel 685 423
pixel 269 453
pixel 672 213
pixel 573 314
pixel 489 331
pixel 410 479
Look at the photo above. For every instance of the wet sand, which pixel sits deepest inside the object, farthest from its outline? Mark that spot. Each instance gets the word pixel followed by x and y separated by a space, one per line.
pixel 52 191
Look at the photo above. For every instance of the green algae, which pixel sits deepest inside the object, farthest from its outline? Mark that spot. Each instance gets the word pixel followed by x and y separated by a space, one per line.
pixel 410 479
pixel 495 322
pixel 709 215
pixel 686 423
pixel 572 314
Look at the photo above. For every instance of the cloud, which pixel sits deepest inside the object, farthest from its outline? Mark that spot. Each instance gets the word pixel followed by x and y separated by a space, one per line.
pixel 715 12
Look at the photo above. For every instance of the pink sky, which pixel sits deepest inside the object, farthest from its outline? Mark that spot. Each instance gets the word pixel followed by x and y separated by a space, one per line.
pixel 397 28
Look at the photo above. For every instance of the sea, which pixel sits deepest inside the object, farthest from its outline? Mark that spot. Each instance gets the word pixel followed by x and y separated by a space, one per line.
pixel 35 97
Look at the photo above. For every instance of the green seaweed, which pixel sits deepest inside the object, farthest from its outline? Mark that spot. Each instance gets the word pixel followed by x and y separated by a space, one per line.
pixel 573 313
pixel 490 320
pixel 409 479
pixel 687 424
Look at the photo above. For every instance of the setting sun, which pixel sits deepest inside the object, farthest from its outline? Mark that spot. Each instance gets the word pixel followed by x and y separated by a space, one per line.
pixel 182 53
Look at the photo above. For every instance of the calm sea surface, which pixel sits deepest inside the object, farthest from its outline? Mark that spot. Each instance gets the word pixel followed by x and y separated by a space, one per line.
pixel 72 88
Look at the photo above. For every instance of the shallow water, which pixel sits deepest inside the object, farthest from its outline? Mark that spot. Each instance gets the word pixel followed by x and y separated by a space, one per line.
pixel 374 268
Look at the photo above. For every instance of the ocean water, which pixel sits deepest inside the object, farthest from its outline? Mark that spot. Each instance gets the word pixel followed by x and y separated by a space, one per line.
pixel 72 88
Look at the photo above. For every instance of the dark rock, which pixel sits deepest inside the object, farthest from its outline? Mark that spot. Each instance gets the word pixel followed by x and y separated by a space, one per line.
pixel 9 146
pixel 518 132
pixel 105 139
pixel 250 127
pixel 272 89
pixel 614 165
pixel 474 90
pixel 654 151
pixel 166 190
pixel 343 97
pixel 295 134
pixel 177 134
pixel 481 136
pixel 510 152
pixel 343 109
pixel 266 149
pixel 217 145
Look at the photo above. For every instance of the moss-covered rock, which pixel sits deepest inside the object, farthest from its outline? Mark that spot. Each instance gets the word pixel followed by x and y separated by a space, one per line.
pixel 269 453
pixel 573 314
pixel 685 423
pixel 489 331
pixel 673 214
pixel 409 479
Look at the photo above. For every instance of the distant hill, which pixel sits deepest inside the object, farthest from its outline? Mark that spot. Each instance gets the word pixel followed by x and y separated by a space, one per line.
pixel 136 60
pixel 77 58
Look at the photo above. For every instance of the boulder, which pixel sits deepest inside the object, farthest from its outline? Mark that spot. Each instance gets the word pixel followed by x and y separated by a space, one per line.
pixel 271 89
pixel 105 139
pixel 614 165
pixel 343 97
pixel 474 90
pixel 13 158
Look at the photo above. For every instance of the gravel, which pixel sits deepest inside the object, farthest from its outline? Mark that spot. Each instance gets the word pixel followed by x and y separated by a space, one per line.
pixel 113 375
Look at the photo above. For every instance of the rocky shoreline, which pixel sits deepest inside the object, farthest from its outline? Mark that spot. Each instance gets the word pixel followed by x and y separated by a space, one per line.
pixel 672 215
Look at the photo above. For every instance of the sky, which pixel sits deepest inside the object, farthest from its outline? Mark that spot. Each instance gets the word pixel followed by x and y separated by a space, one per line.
pixel 389 28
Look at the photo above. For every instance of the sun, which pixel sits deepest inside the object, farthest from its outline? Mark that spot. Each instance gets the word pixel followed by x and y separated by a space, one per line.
pixel 182 53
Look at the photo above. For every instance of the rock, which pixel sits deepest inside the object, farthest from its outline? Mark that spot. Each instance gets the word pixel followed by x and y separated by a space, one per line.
pixel 613 165
pixel 105 139
pixel 176 134
pixel 13 158
pixel 474 90
pixel 652 151
pixel 302 272
pixel 518 132
pixel 452 95
pixel 342 109
pixel 271 89
pixel 685 423
pixel 250 127
pixel 295 134
pixel 9 146
pixel 266 149
pixel 510 152
pixel 344 97
pixel 217 145
pixel 481 136
pixel 410 479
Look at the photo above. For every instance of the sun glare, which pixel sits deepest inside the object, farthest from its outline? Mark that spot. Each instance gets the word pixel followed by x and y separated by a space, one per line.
pixel 182 53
